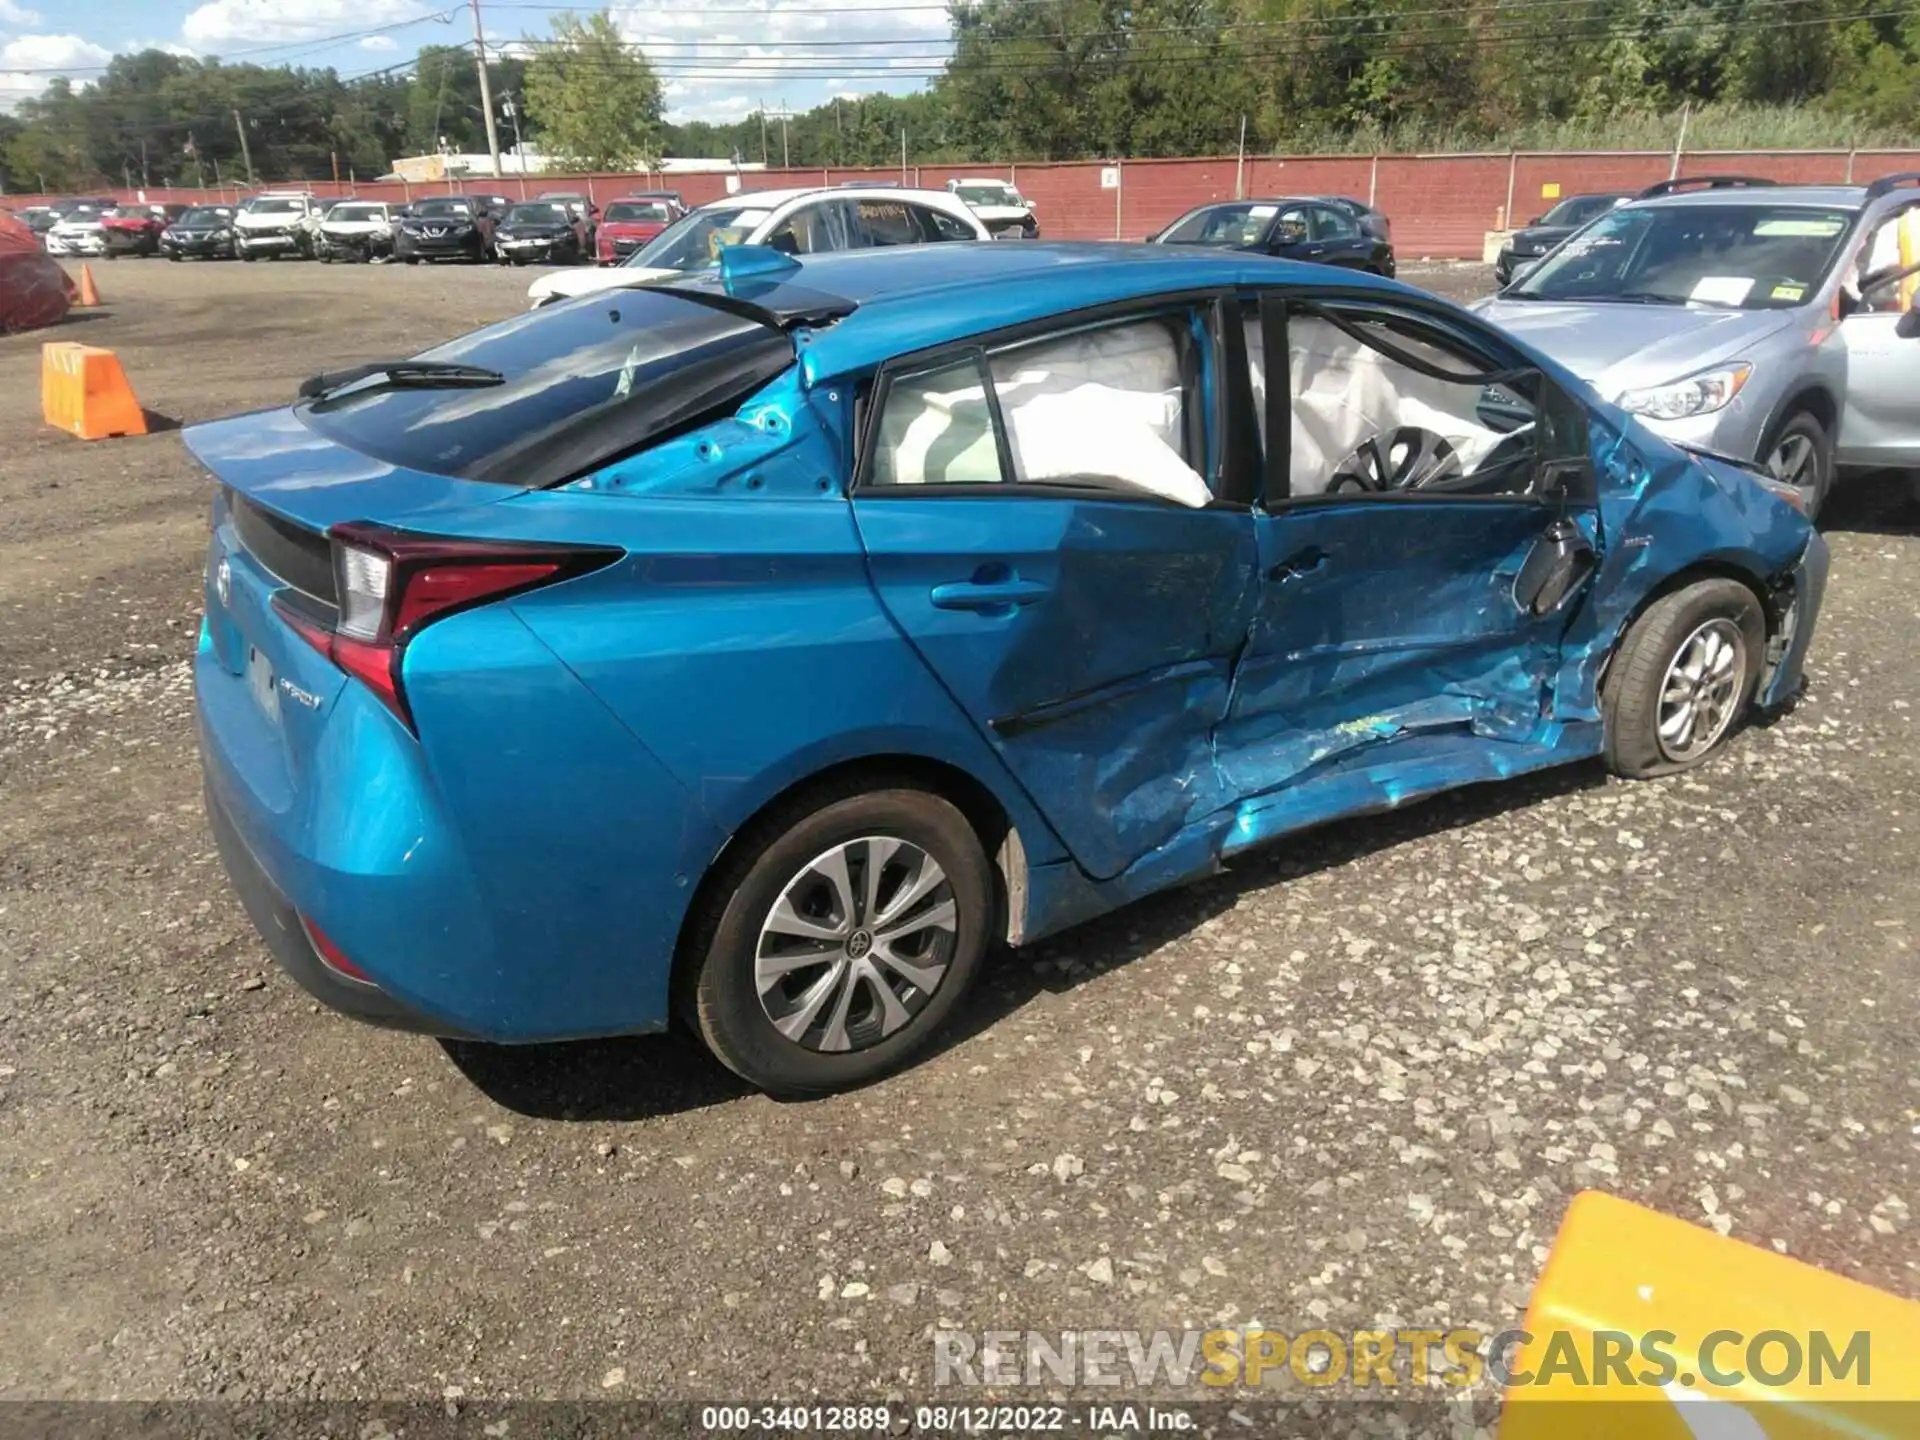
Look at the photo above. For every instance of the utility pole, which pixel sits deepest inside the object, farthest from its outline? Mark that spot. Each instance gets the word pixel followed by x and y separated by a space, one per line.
pixel 513 113
pixel 246 155
pixel 146 179
pixel 763 136
pixel 486 89
pixel 786 156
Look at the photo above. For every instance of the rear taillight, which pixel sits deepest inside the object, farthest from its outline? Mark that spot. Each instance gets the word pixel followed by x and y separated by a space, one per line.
pixel 391 584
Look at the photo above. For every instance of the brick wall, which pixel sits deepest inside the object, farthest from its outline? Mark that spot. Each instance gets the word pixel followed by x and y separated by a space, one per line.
pixel 1441 205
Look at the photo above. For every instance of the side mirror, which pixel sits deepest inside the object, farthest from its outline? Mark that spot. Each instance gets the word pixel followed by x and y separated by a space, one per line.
pixel 1908 326
pixel 1536 220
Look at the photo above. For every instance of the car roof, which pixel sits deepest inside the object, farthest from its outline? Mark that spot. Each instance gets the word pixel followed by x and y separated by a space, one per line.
pixel 914 297
pixel 1846 197
pixel 981 180
pixel 774 199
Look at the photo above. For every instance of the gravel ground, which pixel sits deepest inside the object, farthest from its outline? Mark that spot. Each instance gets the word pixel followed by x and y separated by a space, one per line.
pixel 1353 1082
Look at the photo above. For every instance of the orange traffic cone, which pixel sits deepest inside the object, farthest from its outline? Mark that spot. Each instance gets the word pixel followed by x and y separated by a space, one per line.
pixel 89 295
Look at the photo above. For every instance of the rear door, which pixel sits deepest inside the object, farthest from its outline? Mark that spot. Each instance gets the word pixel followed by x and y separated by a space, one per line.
pixel 1045 521
pixel 1880 411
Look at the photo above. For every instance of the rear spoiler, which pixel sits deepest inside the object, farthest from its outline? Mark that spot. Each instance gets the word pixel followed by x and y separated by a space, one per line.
pixel 1702 182
pixel 753 282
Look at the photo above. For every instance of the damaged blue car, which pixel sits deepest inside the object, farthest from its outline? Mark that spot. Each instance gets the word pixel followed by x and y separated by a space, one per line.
pixel 763 647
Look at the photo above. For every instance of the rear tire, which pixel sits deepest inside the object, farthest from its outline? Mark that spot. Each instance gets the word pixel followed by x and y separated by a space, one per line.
pixel 1682 678
pixel 858 918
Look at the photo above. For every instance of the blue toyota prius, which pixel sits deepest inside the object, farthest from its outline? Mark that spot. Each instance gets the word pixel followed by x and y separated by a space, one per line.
pixel 761 648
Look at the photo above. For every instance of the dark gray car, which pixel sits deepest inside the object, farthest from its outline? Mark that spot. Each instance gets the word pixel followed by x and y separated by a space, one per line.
pixel 1767 322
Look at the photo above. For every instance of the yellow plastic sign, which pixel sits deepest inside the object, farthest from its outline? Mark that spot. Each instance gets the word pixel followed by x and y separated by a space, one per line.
pixel 1644 1327
pixel 1550 190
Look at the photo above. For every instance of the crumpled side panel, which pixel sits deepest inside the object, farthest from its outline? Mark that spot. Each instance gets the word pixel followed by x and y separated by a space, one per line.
pixel 1665 512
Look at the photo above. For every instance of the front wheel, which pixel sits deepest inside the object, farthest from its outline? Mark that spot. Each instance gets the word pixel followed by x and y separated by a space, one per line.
pixel 840 941
pixel 1682 678
pixel 1800 452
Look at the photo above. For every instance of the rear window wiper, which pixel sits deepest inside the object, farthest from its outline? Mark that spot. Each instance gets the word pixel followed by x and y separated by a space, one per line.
pixel 400 375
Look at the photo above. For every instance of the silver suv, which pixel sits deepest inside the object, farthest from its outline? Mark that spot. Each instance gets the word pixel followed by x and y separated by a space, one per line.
pixel 1771 323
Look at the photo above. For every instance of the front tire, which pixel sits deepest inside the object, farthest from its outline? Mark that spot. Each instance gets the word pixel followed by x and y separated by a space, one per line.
pixel 1682 678
pixel 839 940
pixel 1800 452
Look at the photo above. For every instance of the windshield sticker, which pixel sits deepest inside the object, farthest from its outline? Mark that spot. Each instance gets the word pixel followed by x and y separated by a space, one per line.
pixel 1788 292
pixel 1822 228
pixel 623 387
pixel 1721 289
pixel 1262 212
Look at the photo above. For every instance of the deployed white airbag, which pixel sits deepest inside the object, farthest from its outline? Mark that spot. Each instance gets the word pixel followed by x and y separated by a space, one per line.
pixel 1346 393
pixel 1102 407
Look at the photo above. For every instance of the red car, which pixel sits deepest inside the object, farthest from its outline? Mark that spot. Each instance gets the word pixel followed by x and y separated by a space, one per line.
pixel 34 290
pixel 632 220
pixel 136 229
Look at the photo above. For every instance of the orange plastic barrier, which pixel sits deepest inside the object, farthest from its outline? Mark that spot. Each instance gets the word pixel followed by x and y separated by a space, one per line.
pixel 1758 1346
pixel 89 293
pixel 84 391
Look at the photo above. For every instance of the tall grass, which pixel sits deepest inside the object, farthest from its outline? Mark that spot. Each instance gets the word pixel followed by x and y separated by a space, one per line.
pixel 1730 126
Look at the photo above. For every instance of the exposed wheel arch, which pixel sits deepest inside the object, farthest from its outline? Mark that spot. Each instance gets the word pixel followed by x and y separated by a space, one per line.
pixel 1708 569
pixel 998 836
pixel 1811 396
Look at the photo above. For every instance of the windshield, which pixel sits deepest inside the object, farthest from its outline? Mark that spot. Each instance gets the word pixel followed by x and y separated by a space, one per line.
pixel 1578 210
pixel 204 215
pixel 443 209
pixel 584 383
pixel 275 207
pixel 1223 225
pixel 629 212
pixel 1739 257
pixel 537 215
pixel 357 212
pixel 694 242
pixel 988 194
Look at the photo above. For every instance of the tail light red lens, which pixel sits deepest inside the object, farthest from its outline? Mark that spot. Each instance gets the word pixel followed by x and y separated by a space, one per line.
pixel 330 954
pixel 391 584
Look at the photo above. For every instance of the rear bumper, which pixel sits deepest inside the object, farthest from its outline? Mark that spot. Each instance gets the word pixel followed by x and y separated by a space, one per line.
pixel 274 916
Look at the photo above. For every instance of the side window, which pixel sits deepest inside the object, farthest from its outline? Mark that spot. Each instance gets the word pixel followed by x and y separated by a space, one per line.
pixel 888 223
pixel 938 225
pixel 1365 422
pixel 1113 407
pixel 937 429
pixel 1332 224
pixel 808 231
pixel 1292 228
pixel 1892 244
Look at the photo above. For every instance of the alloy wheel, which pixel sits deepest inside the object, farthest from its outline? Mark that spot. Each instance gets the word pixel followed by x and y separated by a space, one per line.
pixel 1701 688
pixel 856 944
pixel 1796 461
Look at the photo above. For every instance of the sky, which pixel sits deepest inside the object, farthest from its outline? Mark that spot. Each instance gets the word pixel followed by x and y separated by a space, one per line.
pixel 716 61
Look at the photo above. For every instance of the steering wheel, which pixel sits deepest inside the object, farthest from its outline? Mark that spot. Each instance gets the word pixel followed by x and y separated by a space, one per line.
pixel 1407 458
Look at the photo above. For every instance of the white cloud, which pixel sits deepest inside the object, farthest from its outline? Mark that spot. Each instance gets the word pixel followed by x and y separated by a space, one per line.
pixel 17 16
pixel 226 22
pixel 28 62
pixel 720 67
pixel 378 42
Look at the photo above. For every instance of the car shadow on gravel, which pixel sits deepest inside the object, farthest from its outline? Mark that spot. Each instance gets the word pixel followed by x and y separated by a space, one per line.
pixel 1063 962
pixel 1886 502
pixel 640 1077
pixel 629 1078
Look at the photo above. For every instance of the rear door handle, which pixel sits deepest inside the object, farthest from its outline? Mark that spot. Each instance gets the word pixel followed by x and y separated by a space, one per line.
pixel 1301 562
pixel 989 594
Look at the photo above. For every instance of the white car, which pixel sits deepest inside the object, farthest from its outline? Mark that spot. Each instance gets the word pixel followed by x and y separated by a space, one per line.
pixel 799 222
pixel 355 230
pixel 79 232
pixel 276 222
pixel 1006 213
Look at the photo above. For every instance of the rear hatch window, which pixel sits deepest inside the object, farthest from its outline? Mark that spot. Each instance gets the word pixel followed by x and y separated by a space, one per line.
pixel 582 384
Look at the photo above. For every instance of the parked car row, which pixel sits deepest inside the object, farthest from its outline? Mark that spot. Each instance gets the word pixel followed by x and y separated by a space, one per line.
pixel 563 227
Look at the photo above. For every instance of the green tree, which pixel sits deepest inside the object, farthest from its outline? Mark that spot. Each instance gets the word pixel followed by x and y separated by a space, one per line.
pixel 594 96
